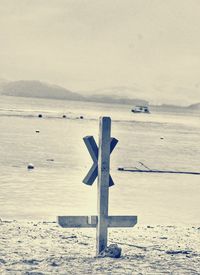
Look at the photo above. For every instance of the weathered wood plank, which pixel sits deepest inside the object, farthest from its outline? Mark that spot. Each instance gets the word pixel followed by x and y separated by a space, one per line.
pixel 92 221
pixel 111 182
pixel 92 147
pixel 157 171
pixel 122 221
pixel 75 221
pixel 103 182
pixel 113 143
pixel 93 150
pixel 91 175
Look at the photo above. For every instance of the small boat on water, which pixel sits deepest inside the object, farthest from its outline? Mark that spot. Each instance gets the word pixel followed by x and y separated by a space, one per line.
pixel 141 109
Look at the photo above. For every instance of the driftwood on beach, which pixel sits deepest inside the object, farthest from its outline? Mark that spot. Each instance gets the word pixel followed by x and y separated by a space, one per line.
pixel 148 170
pixel 157 171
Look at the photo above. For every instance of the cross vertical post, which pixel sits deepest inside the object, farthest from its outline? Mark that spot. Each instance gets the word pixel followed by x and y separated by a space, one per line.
pixel 103 183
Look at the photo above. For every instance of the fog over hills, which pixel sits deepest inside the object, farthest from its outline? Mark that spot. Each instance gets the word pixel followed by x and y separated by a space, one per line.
pixel 195 106
pixel 116 99
pixel 118 94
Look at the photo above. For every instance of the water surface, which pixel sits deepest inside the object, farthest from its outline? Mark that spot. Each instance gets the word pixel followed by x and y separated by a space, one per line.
pixel 160 140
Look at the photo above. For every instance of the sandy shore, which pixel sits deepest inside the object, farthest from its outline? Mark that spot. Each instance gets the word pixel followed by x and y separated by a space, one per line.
pixel 44 248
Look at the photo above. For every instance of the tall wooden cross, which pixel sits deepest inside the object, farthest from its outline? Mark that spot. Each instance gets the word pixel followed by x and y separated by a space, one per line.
pixel 101 170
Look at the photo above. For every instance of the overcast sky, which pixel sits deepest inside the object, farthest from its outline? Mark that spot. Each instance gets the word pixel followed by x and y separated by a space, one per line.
pixel 150 46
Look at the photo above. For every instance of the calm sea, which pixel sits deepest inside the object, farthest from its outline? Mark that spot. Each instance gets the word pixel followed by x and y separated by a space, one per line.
pixel 54 145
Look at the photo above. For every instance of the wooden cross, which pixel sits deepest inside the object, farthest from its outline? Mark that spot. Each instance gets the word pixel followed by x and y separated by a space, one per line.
pixel 101 170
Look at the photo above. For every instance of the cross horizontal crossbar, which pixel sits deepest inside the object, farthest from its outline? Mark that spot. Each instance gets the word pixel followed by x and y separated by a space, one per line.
pixel 91 221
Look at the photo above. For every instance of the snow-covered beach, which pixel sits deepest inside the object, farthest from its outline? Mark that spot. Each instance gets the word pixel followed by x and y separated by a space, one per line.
pixel 44 248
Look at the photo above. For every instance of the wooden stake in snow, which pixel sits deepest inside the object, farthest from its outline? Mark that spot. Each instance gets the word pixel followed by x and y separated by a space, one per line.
pixel 101 170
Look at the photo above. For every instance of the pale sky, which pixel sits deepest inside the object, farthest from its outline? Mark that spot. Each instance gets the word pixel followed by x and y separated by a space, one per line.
pixel 152 47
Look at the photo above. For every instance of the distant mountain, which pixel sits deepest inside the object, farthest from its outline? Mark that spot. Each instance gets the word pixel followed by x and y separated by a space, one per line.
pixel 38 89
pixel 113 95
pixel 34 88
pixel 195 106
